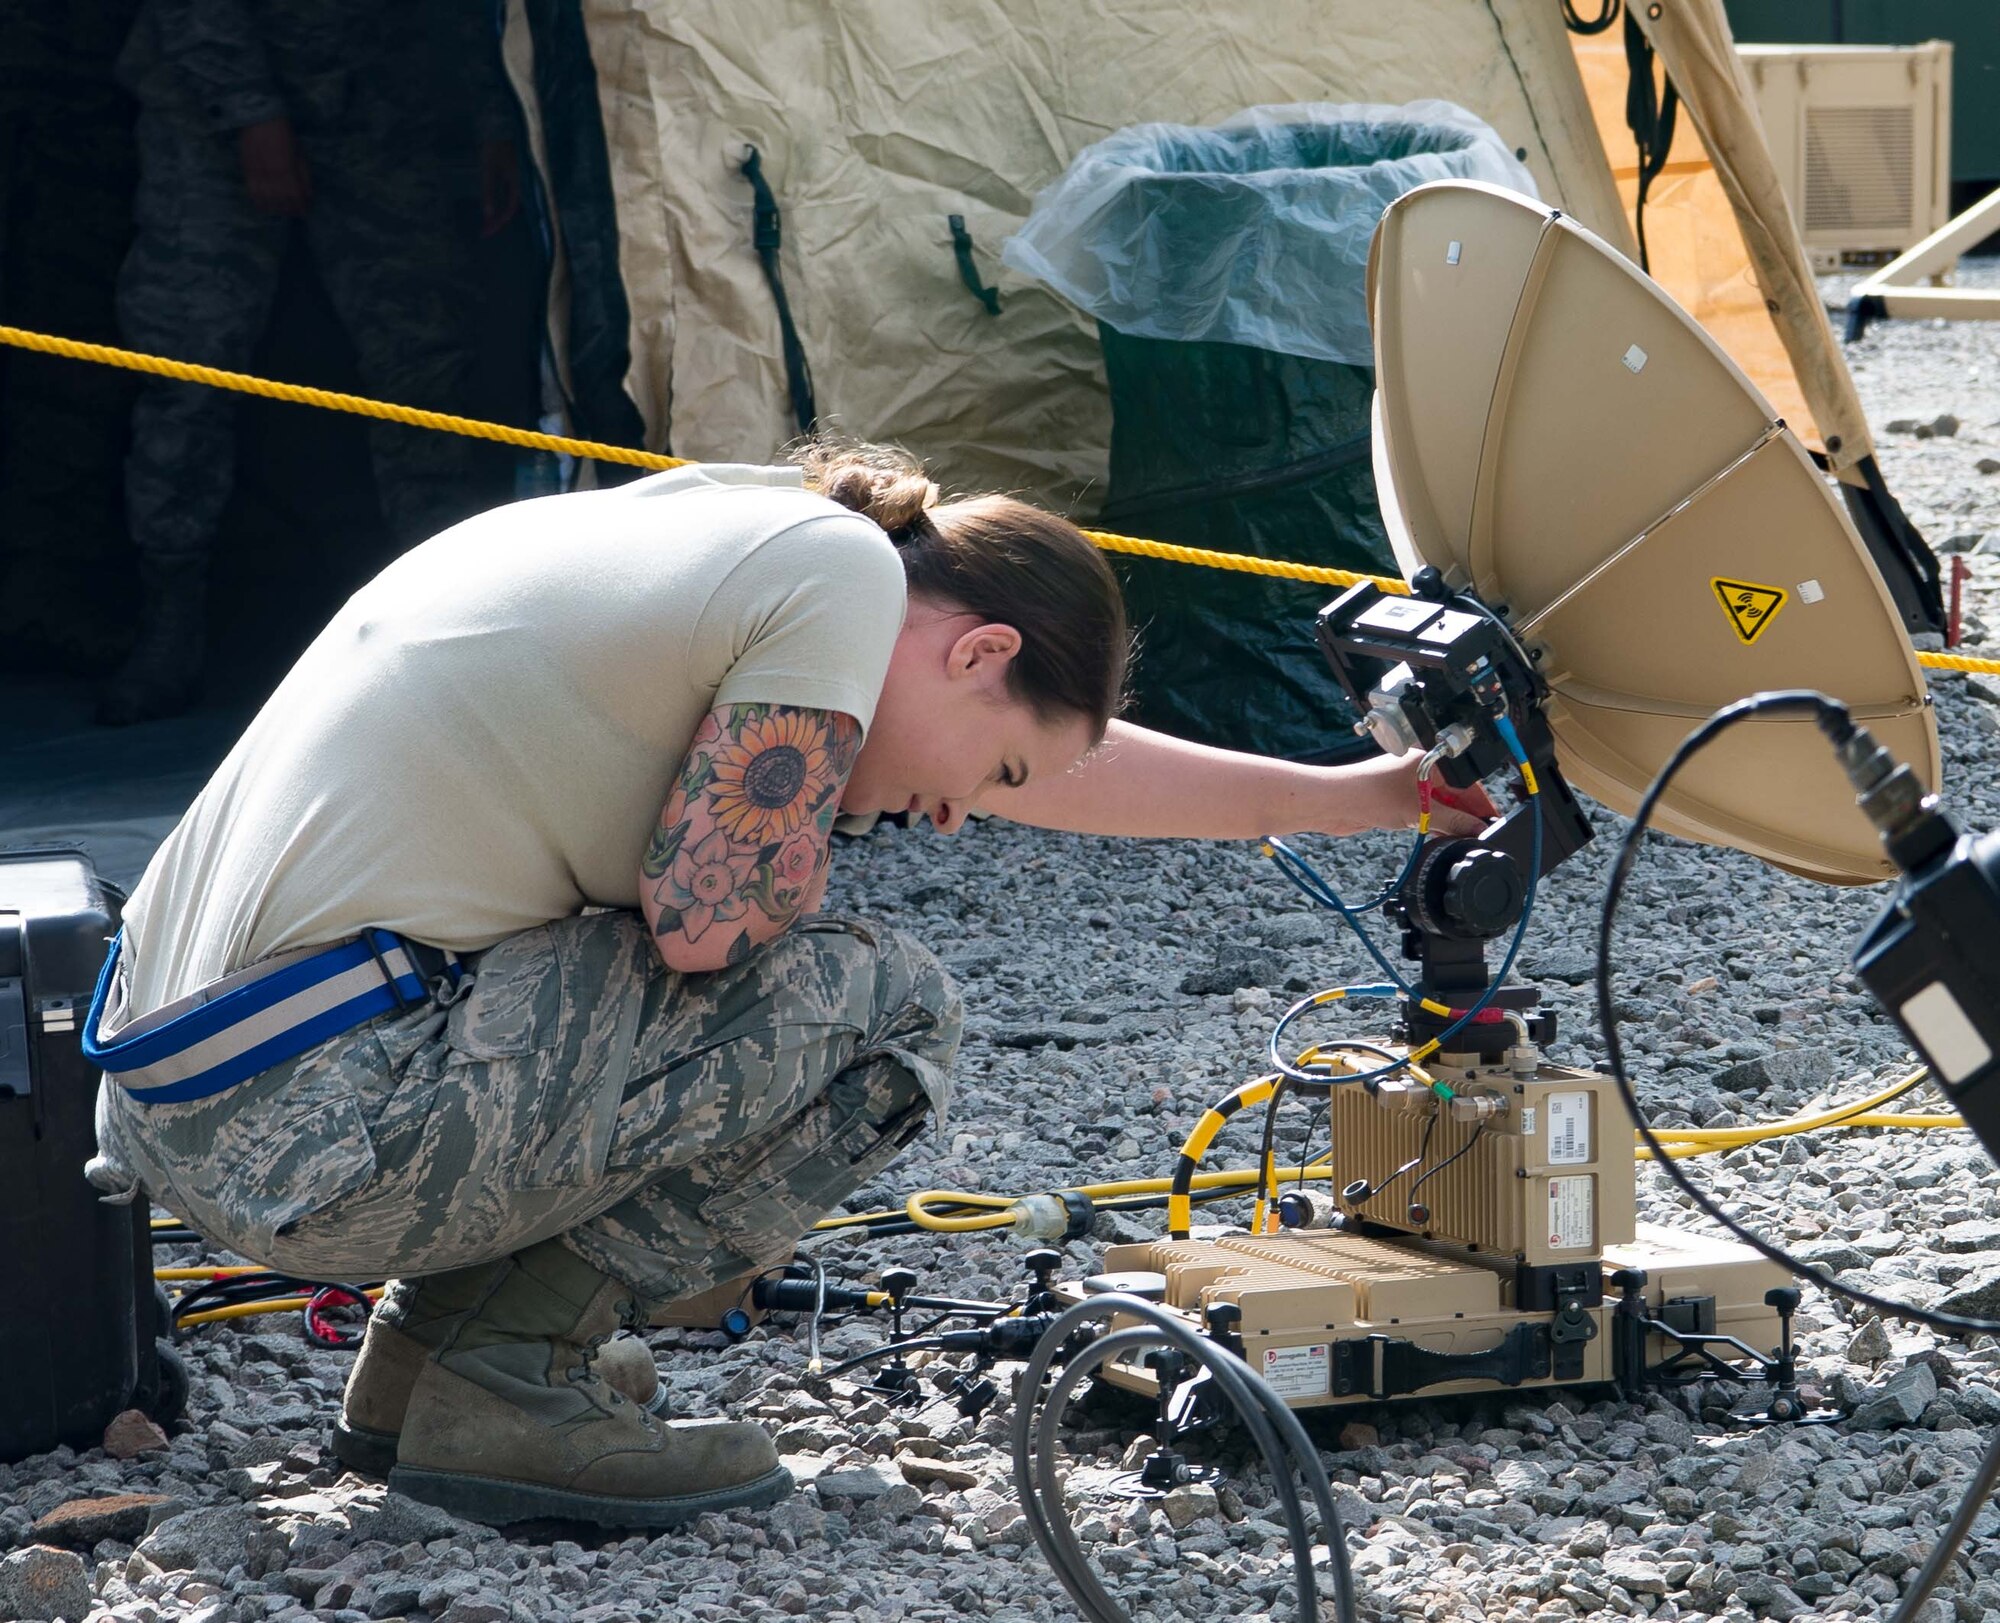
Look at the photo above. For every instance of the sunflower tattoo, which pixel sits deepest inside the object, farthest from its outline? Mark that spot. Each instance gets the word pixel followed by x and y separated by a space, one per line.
pixel 743 836
pixel 757 792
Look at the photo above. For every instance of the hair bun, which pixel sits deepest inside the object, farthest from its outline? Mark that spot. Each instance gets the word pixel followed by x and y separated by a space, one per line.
pixel 877 481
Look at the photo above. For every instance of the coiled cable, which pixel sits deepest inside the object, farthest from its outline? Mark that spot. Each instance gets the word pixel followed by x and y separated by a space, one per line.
pixel 1279 1436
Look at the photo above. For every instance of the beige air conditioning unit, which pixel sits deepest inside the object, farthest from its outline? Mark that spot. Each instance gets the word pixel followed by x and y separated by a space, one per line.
pixel 1861 135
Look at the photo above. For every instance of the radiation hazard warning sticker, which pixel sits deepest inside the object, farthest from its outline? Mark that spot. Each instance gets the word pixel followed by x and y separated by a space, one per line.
pixel 1750 607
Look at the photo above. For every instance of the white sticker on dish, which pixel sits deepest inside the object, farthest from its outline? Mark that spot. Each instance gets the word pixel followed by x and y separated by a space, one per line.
pixel 1451 254
pixel 1810 591
pixel 1635 359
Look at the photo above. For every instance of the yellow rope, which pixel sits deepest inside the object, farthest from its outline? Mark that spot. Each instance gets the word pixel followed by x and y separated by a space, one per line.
pixel 300 394
pixel 1958 662
pixel 1241 562
pixel 243 383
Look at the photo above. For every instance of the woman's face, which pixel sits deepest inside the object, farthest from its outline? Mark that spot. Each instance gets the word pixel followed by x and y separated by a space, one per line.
pixel 946 729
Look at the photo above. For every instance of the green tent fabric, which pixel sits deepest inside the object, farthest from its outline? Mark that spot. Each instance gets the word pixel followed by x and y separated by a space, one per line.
pixel 1226 267
pixel 1239 450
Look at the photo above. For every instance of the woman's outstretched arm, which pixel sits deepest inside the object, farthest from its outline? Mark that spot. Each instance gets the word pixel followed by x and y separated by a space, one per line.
pixel 1139 782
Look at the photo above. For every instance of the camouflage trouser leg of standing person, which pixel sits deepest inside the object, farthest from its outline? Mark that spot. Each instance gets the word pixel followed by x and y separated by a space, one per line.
pixel 675 1131
pixel 391 238
pixel 196 285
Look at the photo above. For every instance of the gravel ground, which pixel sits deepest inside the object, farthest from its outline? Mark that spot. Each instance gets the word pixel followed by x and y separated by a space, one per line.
pixel 1086 1050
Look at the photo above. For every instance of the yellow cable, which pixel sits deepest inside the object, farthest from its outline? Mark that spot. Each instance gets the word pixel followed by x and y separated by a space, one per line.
pixel 204 1273
pixel 1681 1143
pixel 244 1310
pixel 1824 1116
pixel 445 422
pixel 919 1215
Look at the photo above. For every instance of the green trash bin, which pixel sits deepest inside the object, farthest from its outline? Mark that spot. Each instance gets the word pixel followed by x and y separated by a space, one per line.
pixel 1226 269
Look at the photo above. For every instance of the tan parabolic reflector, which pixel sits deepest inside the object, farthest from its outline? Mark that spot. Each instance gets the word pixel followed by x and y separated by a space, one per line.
pixel 1555 432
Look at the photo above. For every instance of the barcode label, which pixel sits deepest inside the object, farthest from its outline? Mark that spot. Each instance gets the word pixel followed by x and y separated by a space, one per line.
pixel 1569 1129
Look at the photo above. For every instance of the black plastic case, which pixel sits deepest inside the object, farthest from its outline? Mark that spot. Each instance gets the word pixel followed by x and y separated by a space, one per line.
pixel 77 1332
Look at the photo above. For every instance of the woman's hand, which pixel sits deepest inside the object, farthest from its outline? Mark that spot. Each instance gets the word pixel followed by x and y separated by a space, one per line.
pixel 1382 793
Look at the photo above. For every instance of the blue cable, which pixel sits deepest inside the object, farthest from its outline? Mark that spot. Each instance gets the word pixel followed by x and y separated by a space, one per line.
pixel 1302 874
pixel 1504 726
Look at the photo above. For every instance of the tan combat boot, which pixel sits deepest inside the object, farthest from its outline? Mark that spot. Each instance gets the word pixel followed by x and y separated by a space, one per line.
pixel 508 1422
pixel 411 1322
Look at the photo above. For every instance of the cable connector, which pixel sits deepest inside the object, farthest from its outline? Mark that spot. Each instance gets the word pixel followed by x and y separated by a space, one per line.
pixel 1064 1215
pixel 1913 830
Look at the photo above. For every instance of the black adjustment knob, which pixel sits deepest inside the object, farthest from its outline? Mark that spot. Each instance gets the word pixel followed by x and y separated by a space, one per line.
pixel 1484 891
pixel 1042 1264
pixel 1222 1319
pixel 899 1282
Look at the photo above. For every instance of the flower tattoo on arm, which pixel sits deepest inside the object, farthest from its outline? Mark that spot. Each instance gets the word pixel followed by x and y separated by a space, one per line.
pixel 743 836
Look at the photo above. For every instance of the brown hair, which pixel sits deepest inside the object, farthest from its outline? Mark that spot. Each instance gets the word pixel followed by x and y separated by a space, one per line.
pixel 1003 560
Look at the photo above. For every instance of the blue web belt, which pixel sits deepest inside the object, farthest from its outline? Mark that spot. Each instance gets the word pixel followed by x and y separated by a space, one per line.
pixel 246 1023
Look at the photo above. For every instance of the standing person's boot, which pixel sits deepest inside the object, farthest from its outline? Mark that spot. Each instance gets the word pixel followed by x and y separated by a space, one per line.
pixel 510 1422
pixel 412 1320
pixel 162 673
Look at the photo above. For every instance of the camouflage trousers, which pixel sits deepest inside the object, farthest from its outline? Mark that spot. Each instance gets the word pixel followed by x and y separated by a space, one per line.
pixel 675 1131
pixel 198 285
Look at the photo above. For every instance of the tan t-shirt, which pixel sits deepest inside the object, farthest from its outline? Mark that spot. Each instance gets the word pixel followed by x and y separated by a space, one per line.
pixel 482 739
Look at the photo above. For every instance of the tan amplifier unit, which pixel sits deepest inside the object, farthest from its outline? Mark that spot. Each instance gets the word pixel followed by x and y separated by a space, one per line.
pixel 1331 1319
pixel 1546 1180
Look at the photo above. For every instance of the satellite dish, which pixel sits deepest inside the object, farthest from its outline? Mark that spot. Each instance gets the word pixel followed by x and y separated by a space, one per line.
pixel 1554 432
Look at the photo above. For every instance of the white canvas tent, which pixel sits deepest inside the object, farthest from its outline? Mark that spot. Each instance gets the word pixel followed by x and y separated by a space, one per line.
pixel 876 122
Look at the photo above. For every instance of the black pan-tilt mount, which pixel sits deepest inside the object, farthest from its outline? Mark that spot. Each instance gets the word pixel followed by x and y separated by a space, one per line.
pixel 1436 671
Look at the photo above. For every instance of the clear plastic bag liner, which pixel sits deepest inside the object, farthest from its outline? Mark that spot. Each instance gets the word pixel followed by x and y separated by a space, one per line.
pixel 1254 231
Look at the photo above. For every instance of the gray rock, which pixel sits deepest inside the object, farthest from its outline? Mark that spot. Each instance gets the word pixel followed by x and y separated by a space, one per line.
pixel 81 1523
pixel 1236 965
pixel 1572 968
pixel 1637 1570
pixel 398 1519
pixel 132 1433
pixel 1189 1503
pixel 1981 1235
pixel 42 1583
pixel 214 1540
pixel 1067 1034
pixel 1977 1295
pixel 1978 1403
pixel 1901 1400
pixel 483 1608
pixel 1772 1598
pixel 1803 1069
pixel 866 1482
pixel 1870 1346
pixel 1289 931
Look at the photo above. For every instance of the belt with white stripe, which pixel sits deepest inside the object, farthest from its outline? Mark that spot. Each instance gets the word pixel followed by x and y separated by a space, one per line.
pixel 245 1023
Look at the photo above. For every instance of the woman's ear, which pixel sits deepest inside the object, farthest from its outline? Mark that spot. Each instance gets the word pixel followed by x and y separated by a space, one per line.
pixel 984 654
